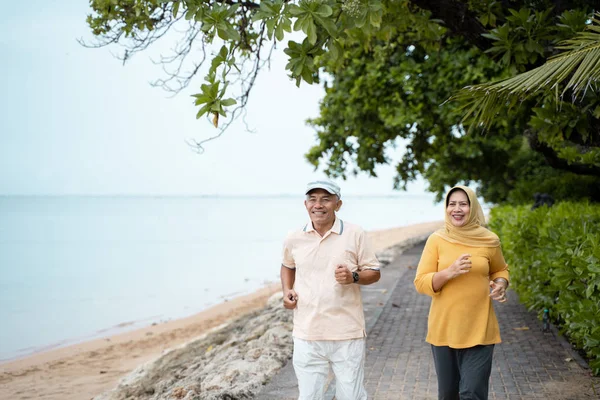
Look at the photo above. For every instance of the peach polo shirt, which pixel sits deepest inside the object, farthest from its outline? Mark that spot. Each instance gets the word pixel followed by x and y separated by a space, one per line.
pixel 461 313
pixel 327 310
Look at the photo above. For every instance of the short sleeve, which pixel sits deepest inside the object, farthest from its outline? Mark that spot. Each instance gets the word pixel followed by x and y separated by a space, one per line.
pixel 287 256
pixel 366 254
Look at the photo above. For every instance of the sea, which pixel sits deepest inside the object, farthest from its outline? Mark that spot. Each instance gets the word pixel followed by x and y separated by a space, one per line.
pixel 77 268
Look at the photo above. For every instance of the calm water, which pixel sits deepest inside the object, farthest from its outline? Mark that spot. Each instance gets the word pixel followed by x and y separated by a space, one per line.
pixel 74 268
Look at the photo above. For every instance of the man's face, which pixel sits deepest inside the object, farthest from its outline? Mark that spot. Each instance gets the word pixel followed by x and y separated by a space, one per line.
pixel 321 206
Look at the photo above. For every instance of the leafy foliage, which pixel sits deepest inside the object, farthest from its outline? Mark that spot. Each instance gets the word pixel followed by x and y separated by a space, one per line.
pixel 398 94
pixel 243 28
pixel 389 68
pixel 554 258
pixel 580 64
pixel 377 102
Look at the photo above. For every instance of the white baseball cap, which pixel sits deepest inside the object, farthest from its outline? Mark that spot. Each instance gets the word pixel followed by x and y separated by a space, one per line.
pixel 327 185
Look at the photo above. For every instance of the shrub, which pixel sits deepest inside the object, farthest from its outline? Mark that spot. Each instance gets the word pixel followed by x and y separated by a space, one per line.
pixel 554 259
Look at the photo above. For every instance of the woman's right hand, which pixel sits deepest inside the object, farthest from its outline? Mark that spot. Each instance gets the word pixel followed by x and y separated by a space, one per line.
pixel 461 266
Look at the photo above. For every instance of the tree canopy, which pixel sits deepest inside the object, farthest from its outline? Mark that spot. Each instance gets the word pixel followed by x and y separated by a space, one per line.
pixel 395 70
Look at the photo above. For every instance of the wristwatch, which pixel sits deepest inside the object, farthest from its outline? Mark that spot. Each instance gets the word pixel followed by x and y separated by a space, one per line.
pixel 355 276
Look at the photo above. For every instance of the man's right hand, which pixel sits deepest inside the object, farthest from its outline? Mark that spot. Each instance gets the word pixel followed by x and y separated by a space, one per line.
pixel 290 299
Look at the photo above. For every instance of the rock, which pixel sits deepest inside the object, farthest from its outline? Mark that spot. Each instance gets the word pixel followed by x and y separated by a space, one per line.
pixel 275 300
pixel 386 256
pixel 241 357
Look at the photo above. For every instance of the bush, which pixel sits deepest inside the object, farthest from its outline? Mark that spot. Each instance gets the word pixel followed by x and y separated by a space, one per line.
pixel 554 259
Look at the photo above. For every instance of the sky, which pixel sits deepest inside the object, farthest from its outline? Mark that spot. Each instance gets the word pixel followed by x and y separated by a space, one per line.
pixel 75 121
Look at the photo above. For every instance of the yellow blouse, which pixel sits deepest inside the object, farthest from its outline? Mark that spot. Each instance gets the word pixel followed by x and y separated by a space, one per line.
pixel 461 313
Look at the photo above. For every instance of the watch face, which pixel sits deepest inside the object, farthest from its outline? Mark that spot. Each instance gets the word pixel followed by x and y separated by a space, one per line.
pixel 355 276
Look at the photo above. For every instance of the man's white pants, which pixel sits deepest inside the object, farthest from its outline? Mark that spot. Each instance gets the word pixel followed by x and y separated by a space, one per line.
pixel 311 363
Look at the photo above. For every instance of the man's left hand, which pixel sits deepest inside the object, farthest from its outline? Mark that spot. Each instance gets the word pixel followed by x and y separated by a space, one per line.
pixel 343 275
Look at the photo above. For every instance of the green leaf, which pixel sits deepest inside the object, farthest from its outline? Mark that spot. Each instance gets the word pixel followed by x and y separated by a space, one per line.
pixel 589 291
pixel 216 106
pixel 329 26
pixel 595 268
pixel 270 23
pixel 307 76
pixel 228 102
pixel 287 24
pixel 375 20
pixel 201 99
pixel 175 8
pixel 335 49
pixel 203 111
pixel 299 67
pixel 324 11
pixel 227 32
pixel 300 22
pixel 311 31
pixel 295 10
pixel 223 52
pixel 279 34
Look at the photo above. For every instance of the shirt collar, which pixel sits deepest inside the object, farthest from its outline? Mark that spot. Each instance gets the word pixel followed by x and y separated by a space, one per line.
pixel 338 227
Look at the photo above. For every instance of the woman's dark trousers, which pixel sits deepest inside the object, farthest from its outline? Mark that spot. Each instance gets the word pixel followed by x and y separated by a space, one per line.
pixel 463 373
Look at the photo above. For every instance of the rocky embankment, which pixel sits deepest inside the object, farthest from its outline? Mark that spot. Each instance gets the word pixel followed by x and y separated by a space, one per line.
pixel 231 362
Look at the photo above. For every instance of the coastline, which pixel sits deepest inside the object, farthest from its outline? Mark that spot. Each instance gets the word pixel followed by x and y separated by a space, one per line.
pixel 88 369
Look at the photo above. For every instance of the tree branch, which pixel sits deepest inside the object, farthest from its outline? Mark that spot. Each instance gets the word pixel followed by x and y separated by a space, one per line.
pixel 246 82
pixel 177 80
pixel 556 162
pixel 247 4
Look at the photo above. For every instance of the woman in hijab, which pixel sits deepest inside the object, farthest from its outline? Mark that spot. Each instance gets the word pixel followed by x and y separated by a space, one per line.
pixel 463 270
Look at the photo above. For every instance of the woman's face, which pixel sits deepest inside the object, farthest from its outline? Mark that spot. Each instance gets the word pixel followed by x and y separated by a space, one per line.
pixel 458 208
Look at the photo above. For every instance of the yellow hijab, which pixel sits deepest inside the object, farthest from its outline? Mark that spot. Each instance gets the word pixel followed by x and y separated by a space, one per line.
pixel 472 233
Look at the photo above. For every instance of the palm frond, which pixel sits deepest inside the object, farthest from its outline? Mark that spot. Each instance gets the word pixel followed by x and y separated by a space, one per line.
pixel 580 60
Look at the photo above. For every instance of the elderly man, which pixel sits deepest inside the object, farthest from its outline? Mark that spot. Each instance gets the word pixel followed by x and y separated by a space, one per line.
pixel 323 265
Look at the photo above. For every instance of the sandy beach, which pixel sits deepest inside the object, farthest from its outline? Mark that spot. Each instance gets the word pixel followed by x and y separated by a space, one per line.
pixel 86 370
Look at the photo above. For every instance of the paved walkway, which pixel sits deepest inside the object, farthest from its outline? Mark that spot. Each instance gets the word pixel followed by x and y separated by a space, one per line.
pixel 529 364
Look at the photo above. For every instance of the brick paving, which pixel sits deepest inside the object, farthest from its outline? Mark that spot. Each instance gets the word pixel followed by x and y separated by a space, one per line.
pixel 528 364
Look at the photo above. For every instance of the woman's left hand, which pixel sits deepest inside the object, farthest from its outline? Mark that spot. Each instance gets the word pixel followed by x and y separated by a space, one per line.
pixel 498 291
